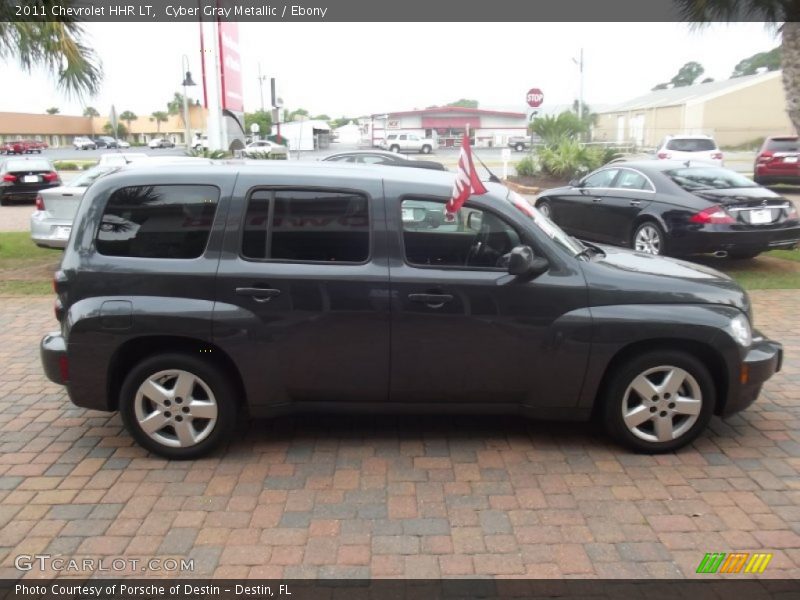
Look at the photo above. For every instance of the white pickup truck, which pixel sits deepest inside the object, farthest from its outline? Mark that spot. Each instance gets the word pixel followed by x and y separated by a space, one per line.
pixel 409 142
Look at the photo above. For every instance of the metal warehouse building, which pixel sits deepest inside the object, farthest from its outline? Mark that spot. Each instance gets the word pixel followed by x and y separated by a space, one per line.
pixel 733 111
pixel 447 124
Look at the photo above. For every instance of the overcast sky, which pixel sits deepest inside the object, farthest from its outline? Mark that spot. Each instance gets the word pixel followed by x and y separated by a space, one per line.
pixel 356 69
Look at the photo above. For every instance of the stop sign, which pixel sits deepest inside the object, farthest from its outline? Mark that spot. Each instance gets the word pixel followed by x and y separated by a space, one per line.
pixel 535 97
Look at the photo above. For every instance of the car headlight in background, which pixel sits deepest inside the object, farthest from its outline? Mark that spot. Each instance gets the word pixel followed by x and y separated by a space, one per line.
pixel 739 328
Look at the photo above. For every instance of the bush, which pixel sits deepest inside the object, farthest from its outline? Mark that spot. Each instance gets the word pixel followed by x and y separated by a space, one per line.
pixel 73 165
pixel 555 129
pixel 265 156
pixel 569 158
pixel 206 153
pixel 527 167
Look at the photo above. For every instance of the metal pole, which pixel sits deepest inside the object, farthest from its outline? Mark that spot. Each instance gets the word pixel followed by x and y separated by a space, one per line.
pixel 186 132
pixel 580 88
pixel 261 79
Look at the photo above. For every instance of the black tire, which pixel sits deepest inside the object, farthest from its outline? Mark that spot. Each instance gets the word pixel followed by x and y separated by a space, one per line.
pixel 395 149
pixel 616 394
pixel 426 149
pixel 519 147
pixel 655 229
pixel 224 393
pixel 743 254
pixel 545 208
pixel 3 201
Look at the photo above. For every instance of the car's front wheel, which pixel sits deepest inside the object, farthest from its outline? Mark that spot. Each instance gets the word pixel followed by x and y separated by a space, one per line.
pixel 178 406
pixel 659 401
pixel 649 238
pixel 519 147
pixel 426 149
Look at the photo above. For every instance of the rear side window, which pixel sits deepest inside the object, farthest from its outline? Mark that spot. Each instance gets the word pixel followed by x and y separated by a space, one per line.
pixel 782 145
pixel 691 145
pixel 158 221
pixel 307 226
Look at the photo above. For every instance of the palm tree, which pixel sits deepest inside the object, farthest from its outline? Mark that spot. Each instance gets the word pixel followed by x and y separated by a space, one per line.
pixel 783 14
pixel 55 45
pixel 128 116
pixel 53 110
pixel 175 106
pixel 159 117
pixel 90 111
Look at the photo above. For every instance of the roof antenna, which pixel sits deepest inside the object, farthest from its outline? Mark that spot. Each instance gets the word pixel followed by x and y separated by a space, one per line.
pixel 492 177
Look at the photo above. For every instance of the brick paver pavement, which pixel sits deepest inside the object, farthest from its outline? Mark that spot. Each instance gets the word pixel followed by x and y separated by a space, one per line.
pixel 396 496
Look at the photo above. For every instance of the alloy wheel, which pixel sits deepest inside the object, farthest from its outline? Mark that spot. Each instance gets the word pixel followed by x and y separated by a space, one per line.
pixel 175 408
pixel 647 240
pixel 662 403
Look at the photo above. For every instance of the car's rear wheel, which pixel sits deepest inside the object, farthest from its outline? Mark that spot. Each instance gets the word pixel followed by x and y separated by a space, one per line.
pixel 649 238
pixel 659 401
pixel 545 208
pixel 394 149
pixel 519 147
pixel 426 149
pixel 178 406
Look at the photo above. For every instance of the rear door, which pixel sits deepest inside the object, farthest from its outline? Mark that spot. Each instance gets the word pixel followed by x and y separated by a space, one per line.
pixel 302 289
pixel 614 209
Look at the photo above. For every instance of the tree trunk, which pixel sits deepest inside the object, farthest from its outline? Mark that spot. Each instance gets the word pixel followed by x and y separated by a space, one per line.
pixel 790 63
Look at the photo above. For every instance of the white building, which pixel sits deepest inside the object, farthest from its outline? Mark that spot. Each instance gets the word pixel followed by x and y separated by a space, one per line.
pixel 447 124
pixel 348 134
pixel 306 135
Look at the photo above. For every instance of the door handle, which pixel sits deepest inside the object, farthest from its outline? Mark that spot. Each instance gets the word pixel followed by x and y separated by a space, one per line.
pixel 432 300
pixel 635 202
pixel 258 294
pixel 597 199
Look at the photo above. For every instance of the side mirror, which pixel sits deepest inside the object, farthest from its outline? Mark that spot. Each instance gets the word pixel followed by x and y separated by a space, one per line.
pixel 474 220
pixel 522 262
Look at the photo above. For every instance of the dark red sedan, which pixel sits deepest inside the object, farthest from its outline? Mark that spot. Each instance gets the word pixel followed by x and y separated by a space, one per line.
pixel 778 161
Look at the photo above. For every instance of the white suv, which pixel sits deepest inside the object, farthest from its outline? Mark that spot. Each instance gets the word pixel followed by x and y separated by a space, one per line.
pixel 409 142
pixel 84 143
pixel 700 148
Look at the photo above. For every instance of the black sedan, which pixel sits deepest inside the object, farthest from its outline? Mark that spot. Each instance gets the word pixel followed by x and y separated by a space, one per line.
pixel 21 179
pixel 674 208
pixel 381 157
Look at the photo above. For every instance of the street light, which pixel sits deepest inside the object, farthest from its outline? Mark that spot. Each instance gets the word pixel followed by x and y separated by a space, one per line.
pixel 187 81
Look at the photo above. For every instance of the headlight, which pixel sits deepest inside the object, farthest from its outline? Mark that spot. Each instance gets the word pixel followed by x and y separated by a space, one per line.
pixel 740 330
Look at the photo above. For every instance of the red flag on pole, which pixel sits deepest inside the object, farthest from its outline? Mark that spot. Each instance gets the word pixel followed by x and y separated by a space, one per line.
pixel 467 181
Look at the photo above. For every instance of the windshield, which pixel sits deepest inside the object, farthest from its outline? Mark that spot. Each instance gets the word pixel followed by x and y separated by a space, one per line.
pixel 550 229
pixel 782 145
pixel 86 179
pixel 708 178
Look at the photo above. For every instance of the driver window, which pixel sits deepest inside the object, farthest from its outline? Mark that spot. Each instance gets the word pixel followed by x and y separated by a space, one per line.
pixel 475 238
pixel 601 179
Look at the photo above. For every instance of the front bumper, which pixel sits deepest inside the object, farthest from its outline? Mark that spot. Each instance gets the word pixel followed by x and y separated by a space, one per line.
pixel 764 358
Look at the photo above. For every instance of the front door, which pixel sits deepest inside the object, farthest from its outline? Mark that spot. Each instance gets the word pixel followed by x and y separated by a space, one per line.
pixel 463 330
pixel 617 207
pixel 302 291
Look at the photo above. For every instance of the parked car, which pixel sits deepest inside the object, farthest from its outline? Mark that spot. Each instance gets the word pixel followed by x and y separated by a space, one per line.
pixel 31 146
pixel 84 143
pixel 380 157
pixel 200 142
pixel 51 222
pixel 261 148
pixel 409 142
pixel 161 143
pixel 666 207
pixel 106 141
pixel 14 147
pixel 778 161
pixel 519 143
pixel 123 144
pixel 188 294
pixel 700 148
pixel 21 179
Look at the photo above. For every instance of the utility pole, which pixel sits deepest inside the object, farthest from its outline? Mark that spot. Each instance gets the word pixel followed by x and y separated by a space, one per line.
pixel 261 80
pixel 579 62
